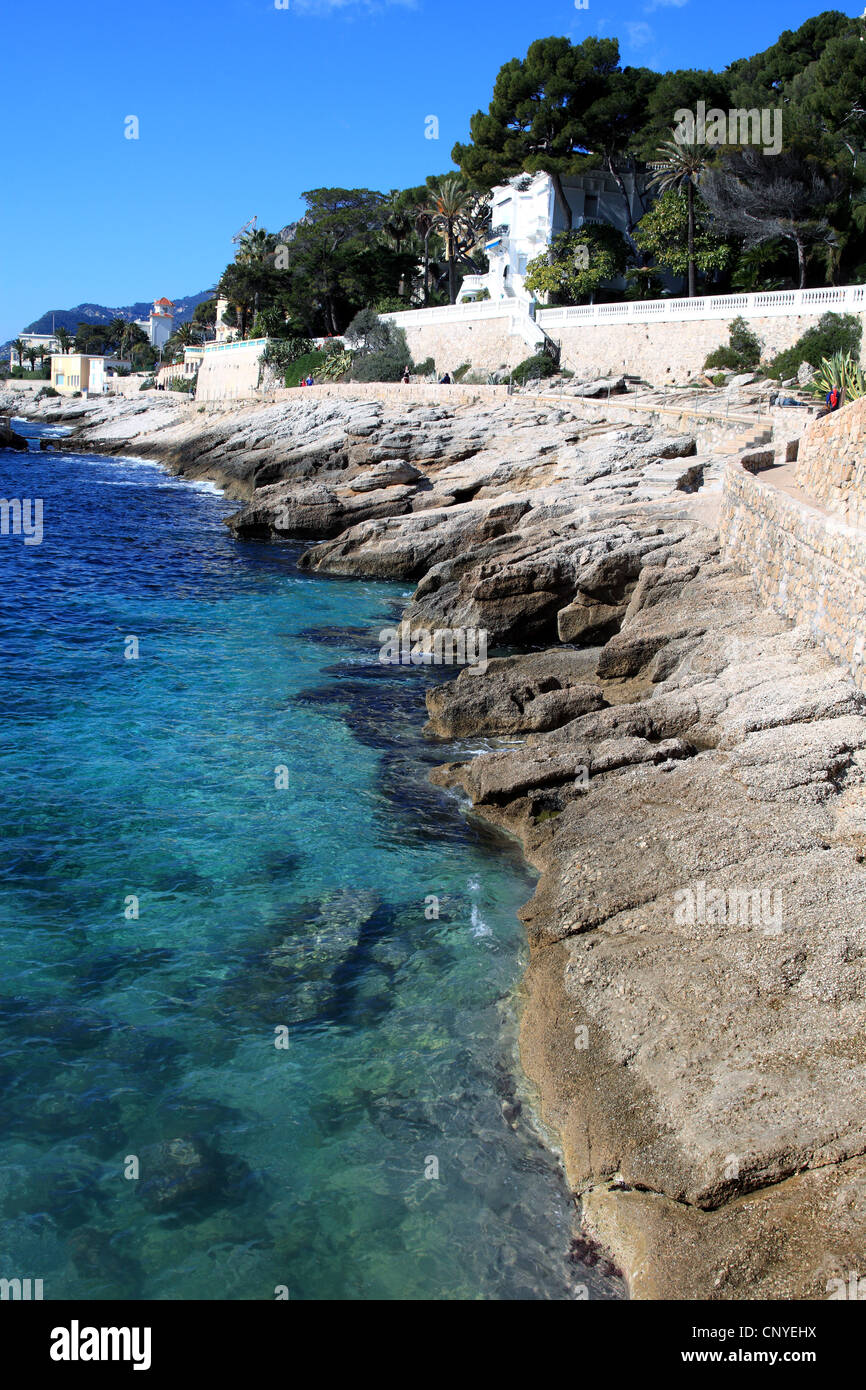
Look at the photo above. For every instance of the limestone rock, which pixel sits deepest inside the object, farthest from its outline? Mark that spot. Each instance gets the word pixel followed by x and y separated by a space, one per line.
pixel 515 694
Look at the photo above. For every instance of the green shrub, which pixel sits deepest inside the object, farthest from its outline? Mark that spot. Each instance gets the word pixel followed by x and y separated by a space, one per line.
pixel 382 353
pixel 368 333
pixel 541 365
pixel 182 383
pixel 307 364
pixel 36 374
pixel 282 353
pixel 392 305
pixel 833 333
pixel 425 368
pixel 461 371
pixel 745 343
pixel 718 379
pixel 148 383
pixel 388 365
pixel 722 357
pixel 743 352
pixel 46 391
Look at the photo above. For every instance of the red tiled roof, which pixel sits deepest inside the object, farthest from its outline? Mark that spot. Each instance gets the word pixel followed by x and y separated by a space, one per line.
pixel 165 301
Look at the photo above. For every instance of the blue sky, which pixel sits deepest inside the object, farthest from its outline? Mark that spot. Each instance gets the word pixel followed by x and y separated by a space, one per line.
pixel 241 106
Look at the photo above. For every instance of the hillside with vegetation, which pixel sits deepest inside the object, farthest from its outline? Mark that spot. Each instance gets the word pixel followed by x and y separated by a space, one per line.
pixel 717 217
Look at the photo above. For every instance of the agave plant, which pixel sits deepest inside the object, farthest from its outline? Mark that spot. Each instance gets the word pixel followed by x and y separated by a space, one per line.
pixel 840 371
pixel 335 365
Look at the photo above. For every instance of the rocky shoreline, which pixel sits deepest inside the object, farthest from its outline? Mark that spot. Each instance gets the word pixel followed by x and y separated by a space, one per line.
pixel 685 769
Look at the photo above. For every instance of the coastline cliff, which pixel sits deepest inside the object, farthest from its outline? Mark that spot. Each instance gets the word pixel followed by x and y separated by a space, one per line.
pixel 686 769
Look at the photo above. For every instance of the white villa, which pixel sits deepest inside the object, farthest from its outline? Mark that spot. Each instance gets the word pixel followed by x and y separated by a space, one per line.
pixel 224 332
pixel 160 324
pixel 42 342
pixel 526 213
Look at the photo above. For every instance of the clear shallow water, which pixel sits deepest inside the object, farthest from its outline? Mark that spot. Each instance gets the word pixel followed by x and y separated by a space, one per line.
pixel 259 908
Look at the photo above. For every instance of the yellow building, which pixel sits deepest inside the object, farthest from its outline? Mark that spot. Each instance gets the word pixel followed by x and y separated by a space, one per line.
pixel 76 371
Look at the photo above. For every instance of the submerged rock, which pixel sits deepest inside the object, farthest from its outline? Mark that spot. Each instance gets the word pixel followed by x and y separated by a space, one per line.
pixel 186 1172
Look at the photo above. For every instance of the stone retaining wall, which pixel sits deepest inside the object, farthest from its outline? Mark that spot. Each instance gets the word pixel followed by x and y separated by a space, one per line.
pixel 230 372
pixel 810 567
pixel 393 392
pixel 487 343
pixel 831 463
pixel 660 353
pixel 665 352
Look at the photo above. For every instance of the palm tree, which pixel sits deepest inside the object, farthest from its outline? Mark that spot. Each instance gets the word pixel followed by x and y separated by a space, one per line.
pixel 681 167
pixel 424 228
pixel 64 338
pixel 397 224
pixel 450 211
pixel 43 353
pixel 19 347
pixel 116 330
pixel 256 247
pixel 31 354
pixel 132 334
pixel 184 334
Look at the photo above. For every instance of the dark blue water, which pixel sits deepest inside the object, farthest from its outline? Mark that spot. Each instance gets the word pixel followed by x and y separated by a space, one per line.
pixel 168 913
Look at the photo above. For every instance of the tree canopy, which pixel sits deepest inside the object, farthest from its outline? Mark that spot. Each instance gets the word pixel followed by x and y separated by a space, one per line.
pixel 746 219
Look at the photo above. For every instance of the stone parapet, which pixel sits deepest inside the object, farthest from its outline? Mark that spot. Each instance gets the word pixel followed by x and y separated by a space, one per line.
pixel 808 565
pixel 831 463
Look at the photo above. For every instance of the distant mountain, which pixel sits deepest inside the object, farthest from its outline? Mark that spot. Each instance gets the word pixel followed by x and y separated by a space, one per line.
pixel 100 313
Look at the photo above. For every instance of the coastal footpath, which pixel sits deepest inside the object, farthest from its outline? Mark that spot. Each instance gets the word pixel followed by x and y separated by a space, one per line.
pixel 685 768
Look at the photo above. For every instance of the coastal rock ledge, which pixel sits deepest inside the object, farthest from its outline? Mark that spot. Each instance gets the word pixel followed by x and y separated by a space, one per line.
pixel 686 770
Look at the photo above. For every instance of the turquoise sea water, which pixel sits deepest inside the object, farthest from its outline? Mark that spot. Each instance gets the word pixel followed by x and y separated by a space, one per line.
pixel 312 1166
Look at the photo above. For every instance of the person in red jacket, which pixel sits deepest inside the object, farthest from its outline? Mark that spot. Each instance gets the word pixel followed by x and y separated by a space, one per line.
pixel 832 401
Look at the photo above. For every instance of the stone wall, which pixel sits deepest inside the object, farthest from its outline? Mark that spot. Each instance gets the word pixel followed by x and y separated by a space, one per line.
pixel 810 567
pixel 665 352
pixel 230 372
pixel 831 463
pixel 392 392
pixel 487 343
pixel 660 353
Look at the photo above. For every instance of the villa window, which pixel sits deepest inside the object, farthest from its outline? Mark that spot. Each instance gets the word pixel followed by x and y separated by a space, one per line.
pixel 590 205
